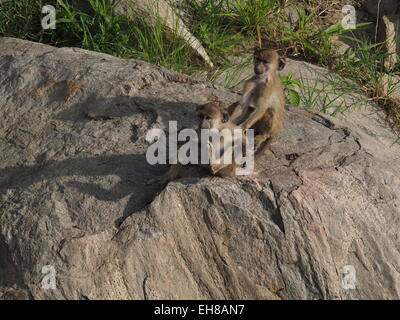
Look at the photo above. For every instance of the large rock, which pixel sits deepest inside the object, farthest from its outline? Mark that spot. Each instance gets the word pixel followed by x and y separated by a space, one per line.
pixel 73 193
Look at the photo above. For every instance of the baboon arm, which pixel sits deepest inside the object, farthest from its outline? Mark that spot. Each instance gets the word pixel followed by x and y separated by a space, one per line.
pixel 240 110
pixel 231 109
pixel 237 109
pixel 253 118
pixel 242 106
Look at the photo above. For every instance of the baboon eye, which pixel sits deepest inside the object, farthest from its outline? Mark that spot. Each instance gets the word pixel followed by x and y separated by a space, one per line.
pixel 203 117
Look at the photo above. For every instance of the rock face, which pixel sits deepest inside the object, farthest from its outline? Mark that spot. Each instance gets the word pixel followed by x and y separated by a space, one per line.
pixel 73 195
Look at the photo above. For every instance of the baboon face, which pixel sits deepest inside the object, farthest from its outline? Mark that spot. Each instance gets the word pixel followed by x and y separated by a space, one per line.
pixel 211 114
pixel 267 60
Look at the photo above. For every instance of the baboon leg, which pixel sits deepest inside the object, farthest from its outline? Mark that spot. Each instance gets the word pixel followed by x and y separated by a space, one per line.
pixel 228 171
pixel 264 128
pixel 259 139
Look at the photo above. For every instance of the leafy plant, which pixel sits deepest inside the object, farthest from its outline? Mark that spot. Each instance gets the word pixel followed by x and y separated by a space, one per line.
pixel 311 40
pixel 290 84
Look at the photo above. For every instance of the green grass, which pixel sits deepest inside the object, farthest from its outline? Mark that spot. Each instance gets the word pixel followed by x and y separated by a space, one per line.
pixel 21 19
pixel 247 15
pixel 222 26
pixel 364 65
pixel 330 94
pixel 97 28
pixel 311 40
pixel 208 23
pixel 101 31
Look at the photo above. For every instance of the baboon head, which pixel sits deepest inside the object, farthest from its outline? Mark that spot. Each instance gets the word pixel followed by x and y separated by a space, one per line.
pixel 212 114
pixel 267 60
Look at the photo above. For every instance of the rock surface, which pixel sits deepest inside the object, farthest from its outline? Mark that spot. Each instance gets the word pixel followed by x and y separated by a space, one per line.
pixel 73 193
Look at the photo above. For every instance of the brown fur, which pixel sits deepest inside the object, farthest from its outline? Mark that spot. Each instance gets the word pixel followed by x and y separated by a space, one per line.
pixel 215 110
pixel 262 105
pixel 211 115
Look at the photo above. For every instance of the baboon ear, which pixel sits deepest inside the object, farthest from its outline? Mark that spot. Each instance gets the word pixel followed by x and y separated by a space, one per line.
pixel 225 115
pixel 282 63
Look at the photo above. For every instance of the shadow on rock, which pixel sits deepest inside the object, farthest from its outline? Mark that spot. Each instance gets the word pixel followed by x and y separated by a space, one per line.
pixel 133 172
pixel 100 108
